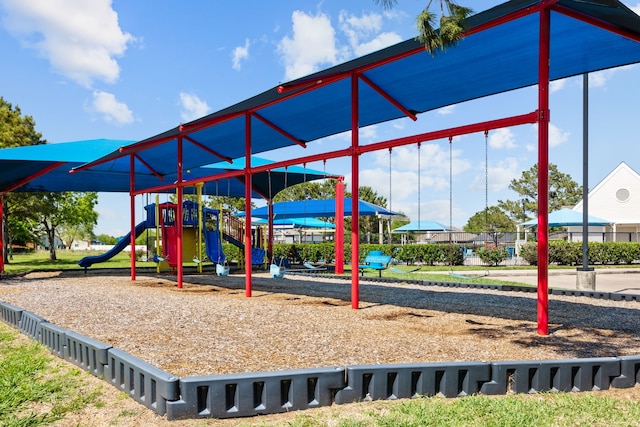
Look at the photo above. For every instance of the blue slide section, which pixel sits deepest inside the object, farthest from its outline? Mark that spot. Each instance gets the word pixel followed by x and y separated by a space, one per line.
pixel 88 261
pixel 213 247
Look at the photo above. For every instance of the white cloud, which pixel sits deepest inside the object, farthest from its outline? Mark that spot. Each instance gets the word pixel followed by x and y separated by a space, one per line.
pixel 80 39
pixel 502 138
pixel 360 29
pixel 499 176
pixel 444 111
pixel 380 42
pixel 557 85
pixel 240 54
pixel 556 136
pixel 192 107
pixel 111 109
pixel 312 44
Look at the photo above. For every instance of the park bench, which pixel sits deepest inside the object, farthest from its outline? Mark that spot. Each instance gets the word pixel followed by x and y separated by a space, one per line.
pixel 375 261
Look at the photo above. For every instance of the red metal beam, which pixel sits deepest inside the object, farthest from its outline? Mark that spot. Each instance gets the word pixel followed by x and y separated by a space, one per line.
pixel 597 22
pixel 247 207
pixel 339 234
pixel 306 85
pixel 279 130
pixel 208 150
pixel 132 214
pixel 355 185
pixel 543 172
pixel 31 177
pixel 451 132
pixel 388 97
pixel 148 166
pixel 423 137
pixel 179 220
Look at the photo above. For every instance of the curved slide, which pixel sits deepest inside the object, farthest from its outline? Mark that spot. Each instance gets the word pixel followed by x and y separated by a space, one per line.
pixel 88 261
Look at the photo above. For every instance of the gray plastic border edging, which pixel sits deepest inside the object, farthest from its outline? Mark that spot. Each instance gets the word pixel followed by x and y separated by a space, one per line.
pixel 144 382
pixel 250 394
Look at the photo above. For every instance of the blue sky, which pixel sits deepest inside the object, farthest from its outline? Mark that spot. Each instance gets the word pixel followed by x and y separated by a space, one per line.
pixel 132 69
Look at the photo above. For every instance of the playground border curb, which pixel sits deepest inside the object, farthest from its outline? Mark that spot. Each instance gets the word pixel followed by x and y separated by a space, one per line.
pixel 613 296
pixel 261 393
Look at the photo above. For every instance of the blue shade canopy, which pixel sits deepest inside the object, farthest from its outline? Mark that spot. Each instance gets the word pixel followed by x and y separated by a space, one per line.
pixel 568 218
pixel 499 53
pixel 421 226
pixel 298 223
pixel 325 208
pixel 20 165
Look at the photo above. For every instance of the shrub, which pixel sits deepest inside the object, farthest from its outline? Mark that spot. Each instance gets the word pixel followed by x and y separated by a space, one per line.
pixel 529 252
pixel 562 252
pixel 493 255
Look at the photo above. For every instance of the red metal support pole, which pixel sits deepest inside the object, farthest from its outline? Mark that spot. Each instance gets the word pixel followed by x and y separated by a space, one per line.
pixel 178 221
pixel 543 173
pixel 247 206
pixel 339 234
pixel 132 209
pixel 355 183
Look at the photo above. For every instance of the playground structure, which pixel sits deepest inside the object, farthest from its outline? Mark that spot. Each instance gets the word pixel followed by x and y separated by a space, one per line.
pixel 198 227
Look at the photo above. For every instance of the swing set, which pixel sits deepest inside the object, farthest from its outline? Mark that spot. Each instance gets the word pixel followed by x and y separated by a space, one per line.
pixel 486 207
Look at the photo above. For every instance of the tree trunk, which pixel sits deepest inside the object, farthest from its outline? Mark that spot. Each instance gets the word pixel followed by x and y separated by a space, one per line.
pixel 51 235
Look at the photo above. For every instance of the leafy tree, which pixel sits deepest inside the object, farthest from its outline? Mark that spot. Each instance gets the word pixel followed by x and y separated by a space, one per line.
pixel 563 191
pixel 370 224
pixel 106 239
pixel 63 210
pixel 452 24
pixel 492 219
pixel 16 130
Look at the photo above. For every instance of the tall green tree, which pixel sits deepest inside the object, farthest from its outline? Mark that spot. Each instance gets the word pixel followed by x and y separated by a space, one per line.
pixel 16 130
pixel 563 191
pixel 491 220
pixel 55 211
pixel 452 24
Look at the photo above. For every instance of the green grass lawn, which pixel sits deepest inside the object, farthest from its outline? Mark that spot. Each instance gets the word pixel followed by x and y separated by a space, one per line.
pixel 35 388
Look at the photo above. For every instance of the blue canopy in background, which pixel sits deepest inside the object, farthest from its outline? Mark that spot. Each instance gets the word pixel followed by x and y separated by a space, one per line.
pixel 568 218
pixel 298 223
pixel 421 226
pixel 325 208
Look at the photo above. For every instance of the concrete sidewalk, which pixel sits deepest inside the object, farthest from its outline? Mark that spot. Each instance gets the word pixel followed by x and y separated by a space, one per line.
pixel 623 280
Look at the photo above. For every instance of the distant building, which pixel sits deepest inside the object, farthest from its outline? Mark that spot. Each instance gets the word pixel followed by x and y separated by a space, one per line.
pixel 617 199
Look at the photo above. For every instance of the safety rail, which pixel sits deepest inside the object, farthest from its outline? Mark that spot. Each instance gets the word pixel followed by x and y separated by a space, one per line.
pixel 250 394
pixel 233 226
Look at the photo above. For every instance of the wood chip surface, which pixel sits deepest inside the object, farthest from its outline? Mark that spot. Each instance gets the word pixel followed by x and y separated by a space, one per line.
pixel 210 327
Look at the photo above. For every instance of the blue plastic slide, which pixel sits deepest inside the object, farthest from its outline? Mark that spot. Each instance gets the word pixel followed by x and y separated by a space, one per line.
pixel 213 246
pixel 88 261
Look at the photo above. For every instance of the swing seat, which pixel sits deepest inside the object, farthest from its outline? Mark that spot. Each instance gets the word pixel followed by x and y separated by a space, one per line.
pixel 397 270
pixel 312 267
pixel 276 271
pixel 222 270
pixel 462 276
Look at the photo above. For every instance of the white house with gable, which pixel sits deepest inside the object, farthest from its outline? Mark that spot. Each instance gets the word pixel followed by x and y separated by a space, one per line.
pixel 617 199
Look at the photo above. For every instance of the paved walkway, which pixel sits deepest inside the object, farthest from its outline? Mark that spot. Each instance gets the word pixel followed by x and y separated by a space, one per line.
pixel 623 280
